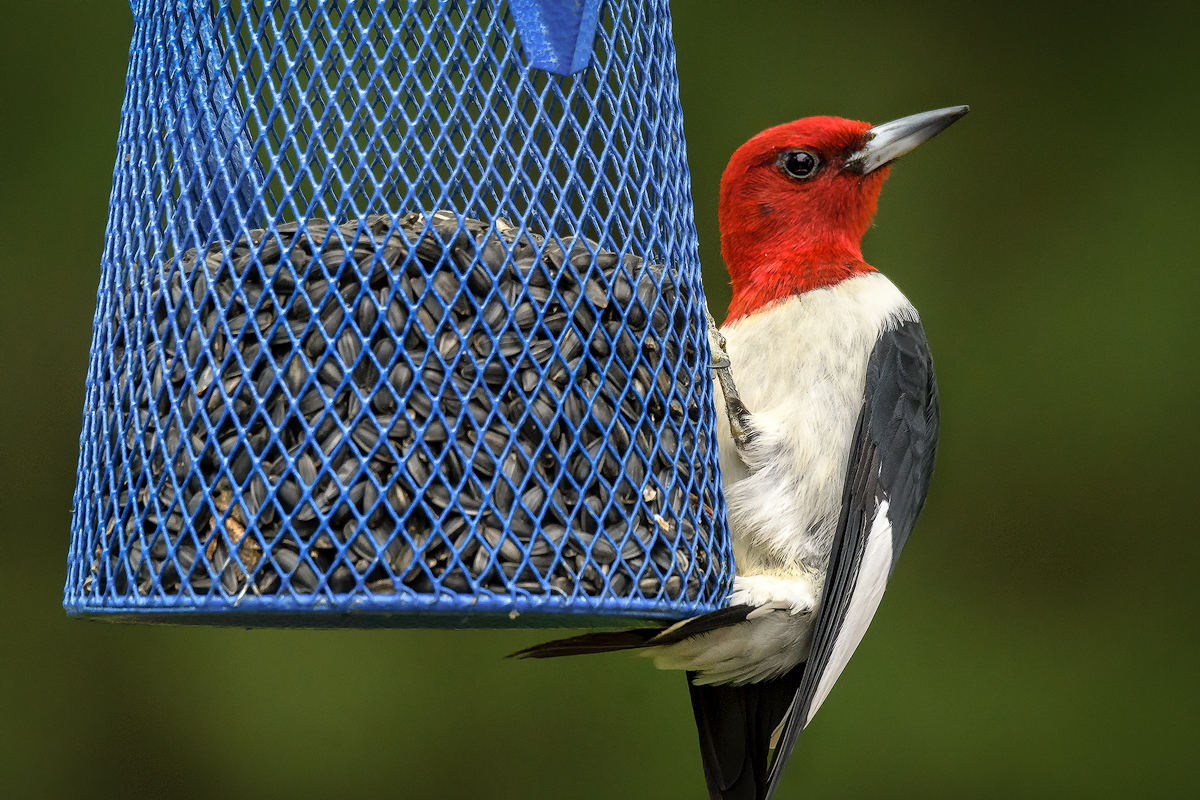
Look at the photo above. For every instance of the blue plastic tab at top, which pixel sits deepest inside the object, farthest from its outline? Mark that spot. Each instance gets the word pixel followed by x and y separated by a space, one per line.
pixel 557 35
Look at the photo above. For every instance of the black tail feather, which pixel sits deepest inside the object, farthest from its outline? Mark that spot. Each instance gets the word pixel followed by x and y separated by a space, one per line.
pixel 713 620
pixel 607 642
pixel 604 642
pixel 735 724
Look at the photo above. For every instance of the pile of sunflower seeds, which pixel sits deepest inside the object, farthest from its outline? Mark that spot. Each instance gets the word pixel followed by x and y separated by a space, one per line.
pixel 460 420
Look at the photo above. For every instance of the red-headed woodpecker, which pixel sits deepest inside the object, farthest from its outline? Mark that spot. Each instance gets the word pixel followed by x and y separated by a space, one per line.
pixel 833 426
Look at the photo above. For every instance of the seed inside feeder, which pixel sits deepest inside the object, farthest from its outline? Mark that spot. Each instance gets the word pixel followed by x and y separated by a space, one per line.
pixel 323 413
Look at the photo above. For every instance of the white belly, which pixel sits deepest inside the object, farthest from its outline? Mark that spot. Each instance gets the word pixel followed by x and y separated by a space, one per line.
pixel 800 367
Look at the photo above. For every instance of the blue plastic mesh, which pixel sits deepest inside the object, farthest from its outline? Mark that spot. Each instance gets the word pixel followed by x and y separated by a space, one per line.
pixel 391 322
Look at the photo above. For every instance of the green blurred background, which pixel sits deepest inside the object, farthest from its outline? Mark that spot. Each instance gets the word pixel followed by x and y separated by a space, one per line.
pixel 1040 636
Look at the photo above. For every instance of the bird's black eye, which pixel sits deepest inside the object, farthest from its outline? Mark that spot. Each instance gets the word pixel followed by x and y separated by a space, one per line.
pixel 799 164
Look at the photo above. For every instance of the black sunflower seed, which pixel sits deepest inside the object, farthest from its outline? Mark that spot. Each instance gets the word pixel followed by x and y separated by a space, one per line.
pixel 577 375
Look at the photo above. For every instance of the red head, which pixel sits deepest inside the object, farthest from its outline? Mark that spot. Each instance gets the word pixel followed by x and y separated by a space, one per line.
pixel 797 199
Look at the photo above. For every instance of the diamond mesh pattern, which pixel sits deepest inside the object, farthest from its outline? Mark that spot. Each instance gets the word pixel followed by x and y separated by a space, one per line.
pixel 499 406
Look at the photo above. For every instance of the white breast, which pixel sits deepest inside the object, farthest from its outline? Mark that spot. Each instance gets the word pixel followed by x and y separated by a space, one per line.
pixel 800 367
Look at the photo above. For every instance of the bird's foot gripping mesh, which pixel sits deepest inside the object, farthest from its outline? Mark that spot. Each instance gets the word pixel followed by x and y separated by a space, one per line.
pixel 404 412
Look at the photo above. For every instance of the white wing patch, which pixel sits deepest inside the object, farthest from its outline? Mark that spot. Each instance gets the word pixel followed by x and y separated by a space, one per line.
pixel 868 591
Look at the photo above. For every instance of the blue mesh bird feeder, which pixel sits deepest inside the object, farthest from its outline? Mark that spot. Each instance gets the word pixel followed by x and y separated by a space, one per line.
pixel 399 323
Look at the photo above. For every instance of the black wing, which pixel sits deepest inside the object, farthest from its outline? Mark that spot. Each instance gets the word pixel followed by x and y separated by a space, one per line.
pixel 891 462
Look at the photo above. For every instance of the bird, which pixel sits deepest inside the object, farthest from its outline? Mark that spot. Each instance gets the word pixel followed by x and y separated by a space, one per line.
pixel 824 373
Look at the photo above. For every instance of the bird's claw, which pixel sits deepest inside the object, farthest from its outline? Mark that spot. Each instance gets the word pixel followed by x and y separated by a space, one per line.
pixel 742 434
pixel 740 425
pixel 716 343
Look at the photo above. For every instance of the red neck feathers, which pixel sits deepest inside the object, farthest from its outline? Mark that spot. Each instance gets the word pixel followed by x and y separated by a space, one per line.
pixel 791 219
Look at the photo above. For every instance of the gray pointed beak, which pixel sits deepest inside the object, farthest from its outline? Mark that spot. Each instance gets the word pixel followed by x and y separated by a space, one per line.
pixel 893 139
